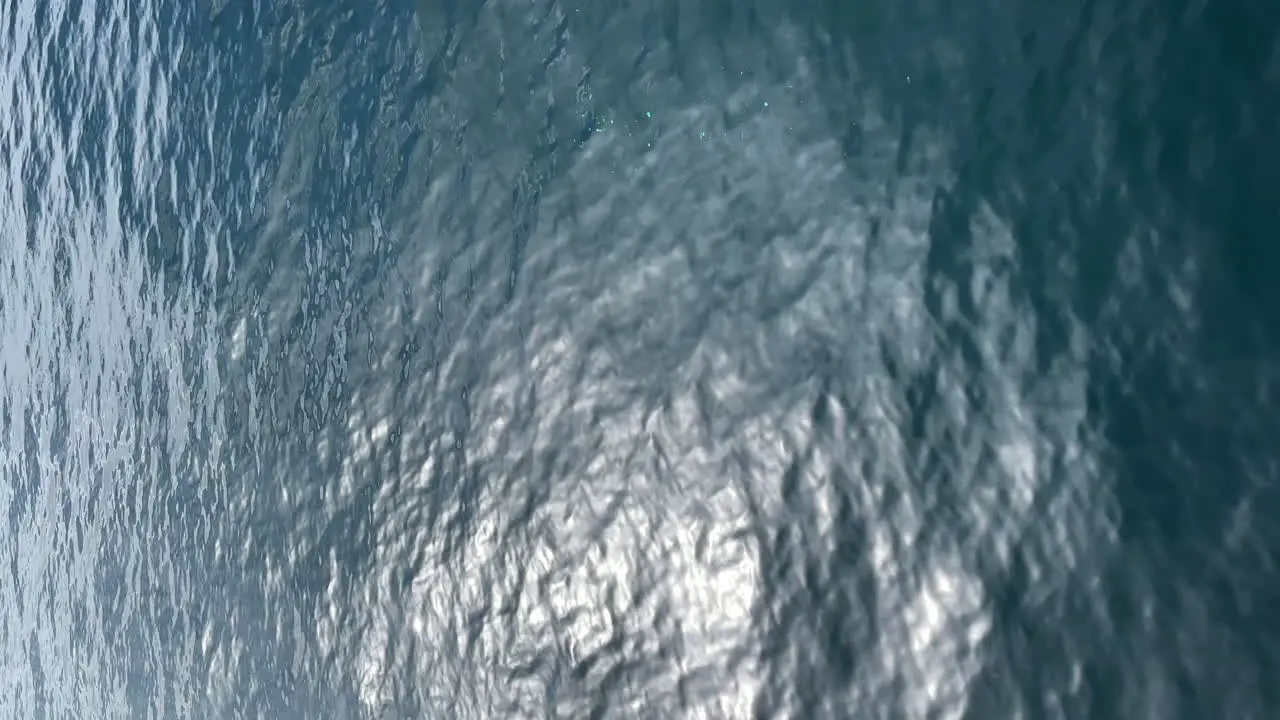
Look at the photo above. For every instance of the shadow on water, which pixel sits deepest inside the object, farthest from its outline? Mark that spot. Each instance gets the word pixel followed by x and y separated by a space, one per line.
pixel 1190 410
pixel 1161 247
pixel 1132 152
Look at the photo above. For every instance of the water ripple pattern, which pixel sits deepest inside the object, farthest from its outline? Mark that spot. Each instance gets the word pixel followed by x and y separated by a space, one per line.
pixel 554 359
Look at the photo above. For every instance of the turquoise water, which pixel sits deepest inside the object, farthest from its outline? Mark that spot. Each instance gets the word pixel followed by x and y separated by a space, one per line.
pixel 639 360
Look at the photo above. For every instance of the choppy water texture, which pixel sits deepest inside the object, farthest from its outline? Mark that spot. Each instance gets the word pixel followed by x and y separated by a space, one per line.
pixel 638 360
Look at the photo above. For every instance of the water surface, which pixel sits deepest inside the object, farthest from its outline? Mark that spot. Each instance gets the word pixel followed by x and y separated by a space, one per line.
pixel 653 360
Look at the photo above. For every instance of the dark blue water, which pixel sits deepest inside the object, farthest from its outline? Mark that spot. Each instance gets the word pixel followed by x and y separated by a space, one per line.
pixel 641 360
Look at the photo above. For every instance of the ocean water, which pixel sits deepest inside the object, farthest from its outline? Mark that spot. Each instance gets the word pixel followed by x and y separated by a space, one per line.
pixel 670 359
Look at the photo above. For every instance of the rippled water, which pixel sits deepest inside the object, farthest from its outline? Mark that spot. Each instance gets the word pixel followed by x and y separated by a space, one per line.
pixel 658 360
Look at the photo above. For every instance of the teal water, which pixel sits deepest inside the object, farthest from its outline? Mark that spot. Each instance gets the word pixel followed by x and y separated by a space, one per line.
pixel 639 360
